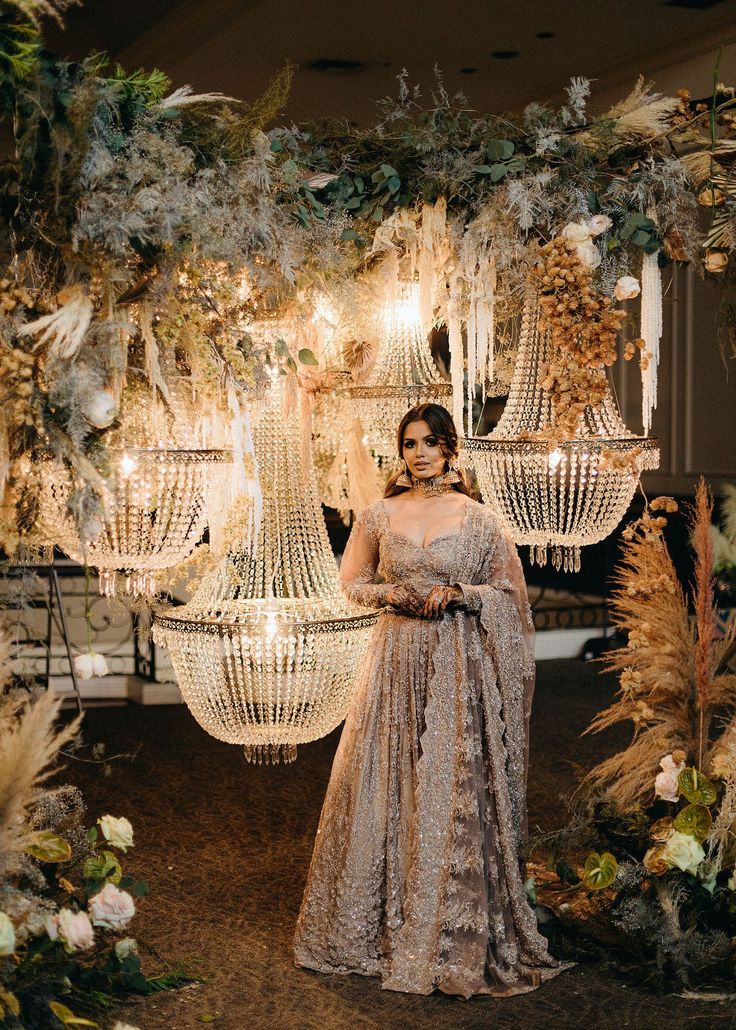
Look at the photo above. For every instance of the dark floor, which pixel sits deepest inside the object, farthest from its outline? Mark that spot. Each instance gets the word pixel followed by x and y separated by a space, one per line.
pixel 225 847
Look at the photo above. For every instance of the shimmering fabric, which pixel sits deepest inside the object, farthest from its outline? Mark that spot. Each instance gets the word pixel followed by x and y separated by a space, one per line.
pixel 415 875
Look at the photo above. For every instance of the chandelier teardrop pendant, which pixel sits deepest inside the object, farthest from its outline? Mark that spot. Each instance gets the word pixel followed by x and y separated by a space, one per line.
pixel 557 496
pixel 267 651
pixel 403 376
pixel 164 482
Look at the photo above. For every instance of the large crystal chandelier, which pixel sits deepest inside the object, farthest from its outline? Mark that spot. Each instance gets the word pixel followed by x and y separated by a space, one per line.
pixel 168 473
pixel 561 495
pixel 403 375
pixel 267 651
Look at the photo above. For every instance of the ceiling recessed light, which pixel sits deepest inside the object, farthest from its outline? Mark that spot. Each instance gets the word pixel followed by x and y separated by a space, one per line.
pixel 545 35
pixel 468 71
pixel 504 55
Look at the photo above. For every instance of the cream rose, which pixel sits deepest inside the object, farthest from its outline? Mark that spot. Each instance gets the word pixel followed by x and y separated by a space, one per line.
pixel 588 254
pixel 7 935
pixel 75 929
pixel 666 784
pixel 626 288
pixel 91 664
pixel 576 232
pixel 112 907
pixel 683 851
pixel 124 1026
pixel 598 224
pixel 117 832
pixel 99 408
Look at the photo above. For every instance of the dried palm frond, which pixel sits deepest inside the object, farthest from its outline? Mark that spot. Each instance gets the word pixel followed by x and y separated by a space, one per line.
pixel 722 232
pixel 359 356
pixel 29 744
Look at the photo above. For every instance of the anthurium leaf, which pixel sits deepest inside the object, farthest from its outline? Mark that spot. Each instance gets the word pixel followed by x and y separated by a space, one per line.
pixel 695 820
pixel 696 788
pixel 48 846
pixel 600 870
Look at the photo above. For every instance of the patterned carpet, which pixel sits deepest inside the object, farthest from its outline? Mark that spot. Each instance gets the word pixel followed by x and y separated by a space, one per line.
pixel 225 848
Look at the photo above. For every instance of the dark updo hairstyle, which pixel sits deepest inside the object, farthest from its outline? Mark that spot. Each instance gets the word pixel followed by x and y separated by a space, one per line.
pixel 440 422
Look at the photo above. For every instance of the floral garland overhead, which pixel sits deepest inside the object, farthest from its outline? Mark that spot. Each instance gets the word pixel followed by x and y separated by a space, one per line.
pixel 145 228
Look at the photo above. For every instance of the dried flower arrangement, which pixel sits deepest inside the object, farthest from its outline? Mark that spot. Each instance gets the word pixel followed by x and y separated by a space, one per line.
pixel 65 903
pixel 660 813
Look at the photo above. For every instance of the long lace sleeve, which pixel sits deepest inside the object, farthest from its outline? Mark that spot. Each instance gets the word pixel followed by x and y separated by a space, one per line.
pixel 359 564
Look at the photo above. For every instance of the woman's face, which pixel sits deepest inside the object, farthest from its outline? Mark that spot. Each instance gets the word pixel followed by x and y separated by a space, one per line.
pixel 421 451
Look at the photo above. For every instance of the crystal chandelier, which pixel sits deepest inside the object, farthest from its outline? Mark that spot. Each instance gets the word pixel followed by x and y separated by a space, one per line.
pixel 403 376
pixel 165 480
pixel 267 650
pixel 554 495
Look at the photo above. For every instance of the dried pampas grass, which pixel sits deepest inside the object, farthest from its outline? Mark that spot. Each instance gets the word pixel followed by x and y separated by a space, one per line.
pixel 29 744
pixel 674 683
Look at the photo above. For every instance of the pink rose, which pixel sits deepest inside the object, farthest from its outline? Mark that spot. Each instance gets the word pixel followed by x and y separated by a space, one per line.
pixel 665 783
pixel 598 224
pixel 111 907
pixel 73 928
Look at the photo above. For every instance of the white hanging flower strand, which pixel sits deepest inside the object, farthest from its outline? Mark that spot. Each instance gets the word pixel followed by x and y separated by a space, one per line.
pixel 650 332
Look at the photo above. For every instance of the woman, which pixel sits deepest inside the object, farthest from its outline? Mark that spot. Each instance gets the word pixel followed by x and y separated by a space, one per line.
pixel 416 876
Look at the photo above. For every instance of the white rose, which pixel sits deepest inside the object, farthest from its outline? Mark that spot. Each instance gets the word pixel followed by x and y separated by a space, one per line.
pixel 626 288
pixel 683 851
pixel 99 408
pixel 7 935
pixel 117 832
pixel 88 665
pixel 128 946
pixel 588 254
pixel 666 784
pixel 598 224
pixel 576 232
pixel 124 1026
pixel 75 930
pixel 112 907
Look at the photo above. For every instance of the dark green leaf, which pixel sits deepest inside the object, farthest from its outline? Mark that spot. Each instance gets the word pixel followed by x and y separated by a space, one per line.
pixel 593 203
pixel 348 234
pixel 378 176
pixel 289 167
pixel 483 169
pixel 497 172
pixel 276 146
pixel 306 356
pixel 640 238
pixel 499 149
pixel 281 348
pixel 377 215
pixel 394 183
pixel 388 171
pixel 359 184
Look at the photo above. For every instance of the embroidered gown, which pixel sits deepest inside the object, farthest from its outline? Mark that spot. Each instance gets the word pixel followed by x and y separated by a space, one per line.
pixel 415 876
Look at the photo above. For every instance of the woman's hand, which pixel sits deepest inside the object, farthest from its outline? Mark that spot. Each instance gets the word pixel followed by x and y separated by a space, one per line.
pixel 405 599
pixel 438 599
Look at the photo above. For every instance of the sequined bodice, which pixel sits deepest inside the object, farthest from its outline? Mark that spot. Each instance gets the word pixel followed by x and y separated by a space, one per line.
pixel 403 561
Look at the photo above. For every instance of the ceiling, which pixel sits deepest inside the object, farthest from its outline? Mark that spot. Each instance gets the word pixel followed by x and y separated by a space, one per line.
pixel 350 53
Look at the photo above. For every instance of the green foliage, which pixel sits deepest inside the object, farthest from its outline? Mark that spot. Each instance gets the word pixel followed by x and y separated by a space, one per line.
pixel 140 89
pixel 600 870
pixel 698 789
pixel 695 820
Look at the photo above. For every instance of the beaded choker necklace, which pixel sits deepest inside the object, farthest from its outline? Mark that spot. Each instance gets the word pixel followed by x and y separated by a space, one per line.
pixel 436 485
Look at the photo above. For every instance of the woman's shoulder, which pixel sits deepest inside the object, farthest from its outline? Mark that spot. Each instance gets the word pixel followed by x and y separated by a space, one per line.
pixel 373 516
